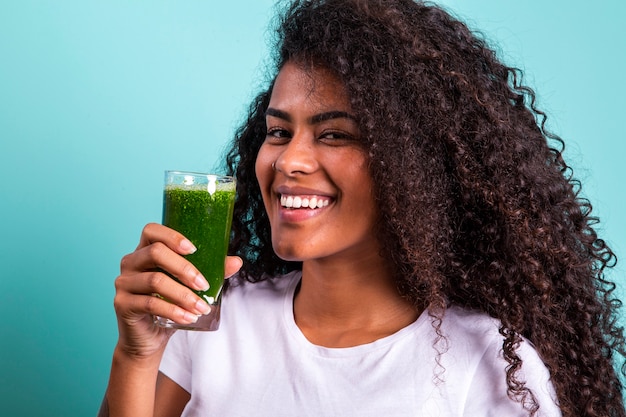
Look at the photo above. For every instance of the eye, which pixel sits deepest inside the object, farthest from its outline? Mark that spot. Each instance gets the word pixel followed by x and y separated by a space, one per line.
pixel 277 135
pixel 337 137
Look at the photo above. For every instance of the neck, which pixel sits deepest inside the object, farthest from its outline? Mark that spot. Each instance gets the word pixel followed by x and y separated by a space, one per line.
pixel 343 304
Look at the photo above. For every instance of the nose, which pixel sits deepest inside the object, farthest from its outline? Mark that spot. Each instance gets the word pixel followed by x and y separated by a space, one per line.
pixel 297 157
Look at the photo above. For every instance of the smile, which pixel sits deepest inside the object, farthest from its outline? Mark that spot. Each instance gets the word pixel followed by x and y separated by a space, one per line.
pixel 310 202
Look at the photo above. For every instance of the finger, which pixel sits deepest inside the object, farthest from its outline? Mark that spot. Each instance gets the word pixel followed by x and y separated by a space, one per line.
pixel 135 307
pixel 232 265
pixel 159 256
pixel 155 282
pixel 154 232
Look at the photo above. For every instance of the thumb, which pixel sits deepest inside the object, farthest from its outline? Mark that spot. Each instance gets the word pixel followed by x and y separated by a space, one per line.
pixel 232 265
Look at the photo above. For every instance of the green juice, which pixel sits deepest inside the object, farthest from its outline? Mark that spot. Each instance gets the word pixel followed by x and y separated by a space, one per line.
pixel 205 219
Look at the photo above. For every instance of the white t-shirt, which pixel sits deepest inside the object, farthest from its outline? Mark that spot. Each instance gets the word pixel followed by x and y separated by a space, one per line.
pixel 260 364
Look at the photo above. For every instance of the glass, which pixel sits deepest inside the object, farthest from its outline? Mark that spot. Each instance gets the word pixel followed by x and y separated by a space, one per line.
pixel 200 206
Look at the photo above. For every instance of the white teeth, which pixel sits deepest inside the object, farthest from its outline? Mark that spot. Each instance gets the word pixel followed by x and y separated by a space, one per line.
pixel 303 202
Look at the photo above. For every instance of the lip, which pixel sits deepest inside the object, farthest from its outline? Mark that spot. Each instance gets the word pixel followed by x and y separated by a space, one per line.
pixel 304 191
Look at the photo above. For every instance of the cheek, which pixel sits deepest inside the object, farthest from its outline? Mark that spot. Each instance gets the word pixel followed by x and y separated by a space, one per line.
pixel 364 201
pixel 263 169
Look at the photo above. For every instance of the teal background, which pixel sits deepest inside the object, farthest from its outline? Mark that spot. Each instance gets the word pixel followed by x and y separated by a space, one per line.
pixel 97 98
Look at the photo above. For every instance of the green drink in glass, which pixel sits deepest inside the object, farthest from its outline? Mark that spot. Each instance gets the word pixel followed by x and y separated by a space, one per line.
pixel 200 206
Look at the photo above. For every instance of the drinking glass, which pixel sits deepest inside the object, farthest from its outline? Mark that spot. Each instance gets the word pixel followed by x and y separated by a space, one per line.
pixel 200 206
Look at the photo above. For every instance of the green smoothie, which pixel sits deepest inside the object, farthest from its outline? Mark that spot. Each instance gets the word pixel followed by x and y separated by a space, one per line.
pixel 205 219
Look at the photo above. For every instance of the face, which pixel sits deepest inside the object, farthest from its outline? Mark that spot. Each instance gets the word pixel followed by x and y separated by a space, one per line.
pixel 312 171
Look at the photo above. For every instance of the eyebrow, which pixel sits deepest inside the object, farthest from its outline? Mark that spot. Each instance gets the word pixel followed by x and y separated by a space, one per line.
pixel 318 118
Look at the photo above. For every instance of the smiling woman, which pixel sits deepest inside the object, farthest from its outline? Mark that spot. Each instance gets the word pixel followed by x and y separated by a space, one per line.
pixel 406 239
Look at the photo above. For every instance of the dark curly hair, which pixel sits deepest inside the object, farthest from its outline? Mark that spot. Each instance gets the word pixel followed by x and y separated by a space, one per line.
pixel 477 206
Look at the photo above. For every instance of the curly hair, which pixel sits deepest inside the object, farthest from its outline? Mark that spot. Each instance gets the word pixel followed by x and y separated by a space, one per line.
pixel 477 206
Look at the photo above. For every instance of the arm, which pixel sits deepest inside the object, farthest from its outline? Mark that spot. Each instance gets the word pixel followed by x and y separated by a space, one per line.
pixel 169 398
pixel 132 387
pixel 134 383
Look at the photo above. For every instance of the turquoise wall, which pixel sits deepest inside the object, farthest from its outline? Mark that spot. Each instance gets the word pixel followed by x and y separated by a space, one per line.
pixel 97 98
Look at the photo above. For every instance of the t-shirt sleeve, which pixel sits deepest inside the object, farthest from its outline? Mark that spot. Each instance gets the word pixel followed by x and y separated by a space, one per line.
pixel 176 361
pixel 487 394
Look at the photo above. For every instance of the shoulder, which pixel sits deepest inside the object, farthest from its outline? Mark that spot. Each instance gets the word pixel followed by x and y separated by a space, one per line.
pixel 465 322
pixel 477 335
pixel 474 349
pixel 480 332
pixel 468 333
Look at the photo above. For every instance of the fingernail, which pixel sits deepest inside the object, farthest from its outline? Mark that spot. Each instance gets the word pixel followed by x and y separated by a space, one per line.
pixel 191 318
pixel 203 307
pixel 201 283
pixel 187 247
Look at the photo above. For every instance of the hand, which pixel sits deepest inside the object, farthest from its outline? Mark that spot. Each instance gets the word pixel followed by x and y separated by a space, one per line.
pixel 160 249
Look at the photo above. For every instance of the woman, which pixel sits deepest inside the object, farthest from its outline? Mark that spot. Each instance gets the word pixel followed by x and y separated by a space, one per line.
pixel 412 244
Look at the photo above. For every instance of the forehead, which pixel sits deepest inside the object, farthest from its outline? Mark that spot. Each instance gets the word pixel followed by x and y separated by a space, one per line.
pixel 311 86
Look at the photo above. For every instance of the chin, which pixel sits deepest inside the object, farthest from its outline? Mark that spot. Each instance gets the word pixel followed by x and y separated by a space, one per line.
pixel 293 254
pixel 286 254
